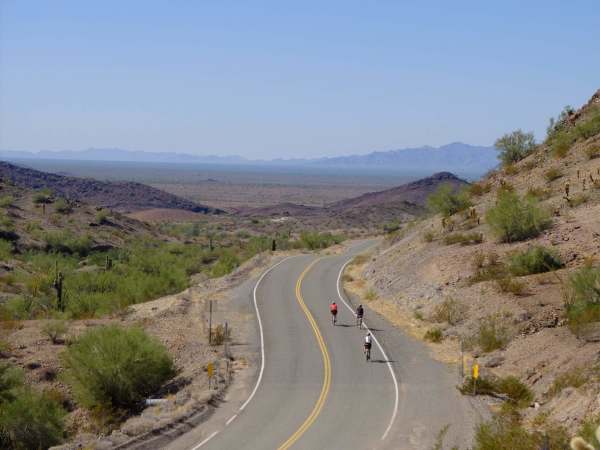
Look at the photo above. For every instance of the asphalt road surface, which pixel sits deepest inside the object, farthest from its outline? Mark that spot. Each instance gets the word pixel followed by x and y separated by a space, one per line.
pixel 313 388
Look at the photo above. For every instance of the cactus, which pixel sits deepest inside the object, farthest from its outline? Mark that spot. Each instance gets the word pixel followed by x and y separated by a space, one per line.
pixel 578 443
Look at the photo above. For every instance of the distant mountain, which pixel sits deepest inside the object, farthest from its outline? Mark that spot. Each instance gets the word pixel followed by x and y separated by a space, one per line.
pixel 119 155
pixel 125 196
pixel 463 159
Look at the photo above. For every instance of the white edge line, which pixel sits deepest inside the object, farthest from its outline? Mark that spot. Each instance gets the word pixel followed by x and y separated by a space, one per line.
pixel 389 427
pixel 262 352
pixel 231 419
pixel 212 435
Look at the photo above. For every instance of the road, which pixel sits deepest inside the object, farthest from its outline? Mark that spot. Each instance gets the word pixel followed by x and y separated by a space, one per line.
pixel 313 388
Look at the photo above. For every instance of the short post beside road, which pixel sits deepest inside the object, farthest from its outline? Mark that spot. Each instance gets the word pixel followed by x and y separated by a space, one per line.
pixel 210 303
pixel 475 377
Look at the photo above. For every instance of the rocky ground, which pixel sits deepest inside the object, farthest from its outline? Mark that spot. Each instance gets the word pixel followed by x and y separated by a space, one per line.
pixel 413 272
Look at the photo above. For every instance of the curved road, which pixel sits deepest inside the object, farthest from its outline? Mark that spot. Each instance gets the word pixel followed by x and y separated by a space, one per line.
pixel 315 390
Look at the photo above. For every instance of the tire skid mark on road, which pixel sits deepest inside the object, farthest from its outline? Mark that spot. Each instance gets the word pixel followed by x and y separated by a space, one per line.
pixel 393 418
pixel 326 364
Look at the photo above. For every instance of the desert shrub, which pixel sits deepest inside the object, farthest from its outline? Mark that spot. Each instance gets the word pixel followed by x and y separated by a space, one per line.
pixel 43 196
pixel 592 152
pixel 11 379
pixel 538 193
pixel 578 200
pixel 6 223
pixel 516 391
pixel 62 206
pixel 560 123
pixel 447 201
pixel 226 263
pixel 582 297
pixel 575 377
pixel 478 189
pixel 487 267
pixel 450 311
pixel 66 242
pixel 514 218
pixel 511 169
pixel 554 173
pixel 31 421
pixel 588 430
pixel 102 217
pixel 391 227
pixel 116 368
pixel 55 330
pixel 6 201
pixel 501 433
pixel 218 335
pixel 6 249
pixel 317 241
pixel 370 295
pixel 434 335
pixel 428 236
pixel 536 259
pixel 563 138
pixel 463 238
pixel 509 285
pixel 515 146
pixel 491 335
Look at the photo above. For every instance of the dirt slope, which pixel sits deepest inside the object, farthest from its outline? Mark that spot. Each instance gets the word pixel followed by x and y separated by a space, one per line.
pixel 411 275
pixel 120 196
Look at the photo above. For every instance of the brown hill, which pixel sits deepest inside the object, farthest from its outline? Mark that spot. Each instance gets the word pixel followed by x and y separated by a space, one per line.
pixel 123 196
pixel 367 212
pixel 414 193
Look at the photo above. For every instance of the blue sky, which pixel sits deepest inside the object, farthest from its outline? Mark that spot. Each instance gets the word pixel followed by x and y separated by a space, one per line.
pixel 289 79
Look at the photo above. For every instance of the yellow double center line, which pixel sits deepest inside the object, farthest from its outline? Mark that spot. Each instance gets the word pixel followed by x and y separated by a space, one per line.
pixel 326 365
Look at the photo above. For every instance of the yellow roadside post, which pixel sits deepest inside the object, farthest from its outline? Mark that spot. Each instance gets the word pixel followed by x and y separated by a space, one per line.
pixel 210 370
pixel 475 377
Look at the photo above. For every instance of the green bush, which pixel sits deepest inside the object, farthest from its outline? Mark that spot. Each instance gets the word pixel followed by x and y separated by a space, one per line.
pixel 317 241
pixel 116 368
pixel 31 421
pixel 226 263
pixel 391 227
pixel 102 217
pixel 575 377
pixel 62 206
pixel 6 201
pixel 552 174
pixel 502 433
pixel 563 137
pixel 449 311
pixel 514 218
pixel 65 242
pixel 463 238
pixel 28 420
pixel 43 196
pixel 434 335
pixel 55 329
pixel 516 391
pixel 491 335
pixel 515 146
pixel 447 201
pixel 6 249
pixel 582 297
pixel 536 259
pixel 588 430
pixel 478 189
pixel 11 379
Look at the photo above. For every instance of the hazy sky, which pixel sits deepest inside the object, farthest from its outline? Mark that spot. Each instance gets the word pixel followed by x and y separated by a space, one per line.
pixel 282 78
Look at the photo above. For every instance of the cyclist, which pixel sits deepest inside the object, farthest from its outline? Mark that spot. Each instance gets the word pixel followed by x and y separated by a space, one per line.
pixel 368 342
pixel 333 309
pixel 360 312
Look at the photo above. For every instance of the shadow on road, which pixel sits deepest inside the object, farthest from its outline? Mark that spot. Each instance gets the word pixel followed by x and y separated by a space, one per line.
pixel 383 361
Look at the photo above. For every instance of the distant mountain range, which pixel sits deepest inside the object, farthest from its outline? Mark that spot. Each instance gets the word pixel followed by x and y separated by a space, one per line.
pixel 457 157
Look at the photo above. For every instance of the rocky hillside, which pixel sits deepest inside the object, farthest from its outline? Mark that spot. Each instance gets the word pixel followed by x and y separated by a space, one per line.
pixel 523 303
pixel 366 212
pixel 119 196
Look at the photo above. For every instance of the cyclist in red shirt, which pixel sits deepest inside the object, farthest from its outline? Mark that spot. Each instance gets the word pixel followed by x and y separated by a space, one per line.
pixel 333 309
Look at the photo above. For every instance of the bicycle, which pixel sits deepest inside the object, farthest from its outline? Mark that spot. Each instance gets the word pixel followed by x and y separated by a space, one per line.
pixel 359 322
pixel 367 352
pixel 333 317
